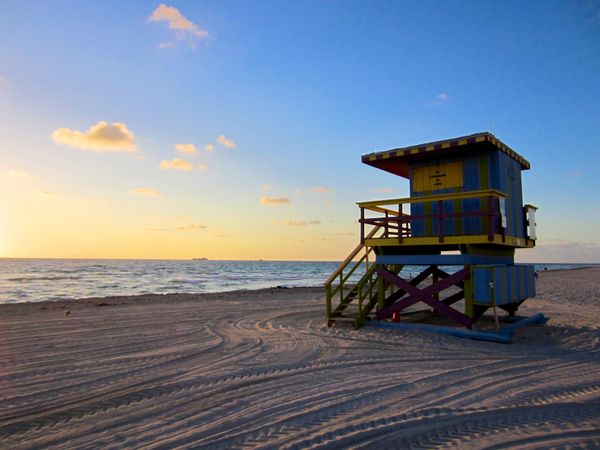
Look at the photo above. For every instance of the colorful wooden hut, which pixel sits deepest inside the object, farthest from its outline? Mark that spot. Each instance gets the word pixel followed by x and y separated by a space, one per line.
pixel 459 229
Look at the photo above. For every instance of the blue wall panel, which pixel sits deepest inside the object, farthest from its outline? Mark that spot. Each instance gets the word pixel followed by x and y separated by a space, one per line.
pixel 512 283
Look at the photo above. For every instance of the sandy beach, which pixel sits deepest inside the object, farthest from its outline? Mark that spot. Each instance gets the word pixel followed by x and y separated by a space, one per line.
pixel 259 369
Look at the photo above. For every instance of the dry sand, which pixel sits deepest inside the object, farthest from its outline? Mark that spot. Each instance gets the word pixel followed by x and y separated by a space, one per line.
pixel 260 369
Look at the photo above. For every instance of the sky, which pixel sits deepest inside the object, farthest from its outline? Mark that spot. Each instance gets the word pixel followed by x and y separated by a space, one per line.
pixel 234 129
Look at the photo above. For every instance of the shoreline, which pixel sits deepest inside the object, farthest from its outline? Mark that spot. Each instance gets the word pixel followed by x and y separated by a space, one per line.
pixel 149 299
pixel 260 368
pixel 178 295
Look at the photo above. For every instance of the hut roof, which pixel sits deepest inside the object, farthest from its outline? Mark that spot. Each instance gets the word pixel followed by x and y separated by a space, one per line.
pixel 397 160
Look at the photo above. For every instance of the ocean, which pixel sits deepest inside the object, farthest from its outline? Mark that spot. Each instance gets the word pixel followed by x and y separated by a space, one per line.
pixel 34 280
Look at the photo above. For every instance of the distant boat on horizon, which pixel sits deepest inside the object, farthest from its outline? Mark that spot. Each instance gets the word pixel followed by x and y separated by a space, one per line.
pixel 199 259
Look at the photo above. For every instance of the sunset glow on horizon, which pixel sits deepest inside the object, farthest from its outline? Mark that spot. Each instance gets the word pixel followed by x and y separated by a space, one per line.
pixel 234 130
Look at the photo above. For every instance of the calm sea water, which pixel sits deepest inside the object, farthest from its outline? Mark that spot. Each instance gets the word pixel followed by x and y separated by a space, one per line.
pixel 33 280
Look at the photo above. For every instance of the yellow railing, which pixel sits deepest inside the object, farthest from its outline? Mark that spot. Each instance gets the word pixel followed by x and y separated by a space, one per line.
pixel 355 259
pixel 373 204
pixel 396 223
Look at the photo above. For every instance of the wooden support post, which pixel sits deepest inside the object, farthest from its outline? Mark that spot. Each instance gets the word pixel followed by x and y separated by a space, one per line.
pixel 328 304
pixel 362 225
pixel 400 236
pixel 468 287
pixel 493 295
pixel 360 320
pixel 380 293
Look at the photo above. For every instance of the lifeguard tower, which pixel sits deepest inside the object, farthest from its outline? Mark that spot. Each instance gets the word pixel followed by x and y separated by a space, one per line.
pixel 456 234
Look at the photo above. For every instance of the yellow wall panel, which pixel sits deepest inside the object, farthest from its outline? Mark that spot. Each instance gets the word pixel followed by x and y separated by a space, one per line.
pixel 439 176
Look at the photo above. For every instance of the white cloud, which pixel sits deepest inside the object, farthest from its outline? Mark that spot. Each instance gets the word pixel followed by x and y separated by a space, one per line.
pixel 209 147
pixel 3 82
pixel 440 99
pixel 321 190
pixel 186 149
pixel 225 142
pixel 102 137
pixel 266 187
pixel 183 28
pixel 201 167
pixel 275 201
pixel 299 223
pixel 176 164
pixel 145 192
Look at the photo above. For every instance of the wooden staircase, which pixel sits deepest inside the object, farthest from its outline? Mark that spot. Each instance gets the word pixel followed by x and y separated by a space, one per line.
pixel 353 303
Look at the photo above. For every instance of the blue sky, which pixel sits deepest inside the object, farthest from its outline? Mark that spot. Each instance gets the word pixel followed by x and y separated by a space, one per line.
pixel 302 89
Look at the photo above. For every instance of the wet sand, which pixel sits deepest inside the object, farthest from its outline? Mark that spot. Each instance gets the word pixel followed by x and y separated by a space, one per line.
pixel 259 369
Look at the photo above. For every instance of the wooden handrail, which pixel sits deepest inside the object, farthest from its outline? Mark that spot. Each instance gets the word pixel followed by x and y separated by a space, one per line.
pixel 350 257
pixel 385 210
pixel 432 198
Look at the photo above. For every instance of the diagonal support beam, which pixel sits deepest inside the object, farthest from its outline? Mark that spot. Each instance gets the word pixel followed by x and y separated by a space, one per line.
pixel 454 298
pixel 425 295
pixel 443 274
pixel 414 282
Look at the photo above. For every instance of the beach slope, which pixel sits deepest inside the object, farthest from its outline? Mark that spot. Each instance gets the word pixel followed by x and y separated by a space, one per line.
pixel 260 369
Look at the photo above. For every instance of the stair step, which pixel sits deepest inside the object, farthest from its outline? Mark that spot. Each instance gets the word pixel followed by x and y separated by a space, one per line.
pixel 343 319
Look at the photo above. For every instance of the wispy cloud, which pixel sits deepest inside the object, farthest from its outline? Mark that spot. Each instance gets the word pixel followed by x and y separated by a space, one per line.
pixel 225 141
pixel 3 82
pixel 102 137
pixel 266 187
pixel 176 164
pixel 562 251
pixel 209 148
pixel 183 28
pixel 17 173
pixel 190 227
pixel 186 149
pixel 383 190
pixel 201 167
pixel 321 190
pixel 440 99
pixel 275 201
pixel 145 192
pixel 299 223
